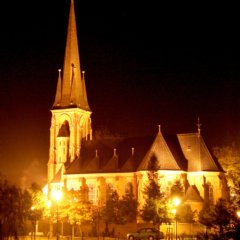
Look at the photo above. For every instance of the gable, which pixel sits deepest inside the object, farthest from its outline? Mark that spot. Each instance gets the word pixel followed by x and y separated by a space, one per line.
pixel 196 152
pixel 193 195
pixel 162 151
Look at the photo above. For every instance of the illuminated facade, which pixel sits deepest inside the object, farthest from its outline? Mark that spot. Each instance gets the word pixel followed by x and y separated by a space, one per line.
pixel 105 164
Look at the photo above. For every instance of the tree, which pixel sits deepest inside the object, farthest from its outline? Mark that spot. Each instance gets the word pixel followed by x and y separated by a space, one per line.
pixel 185 214
pixel 38 204
pixel 217 216
pixel 184 211
pixel 155 208
pixel 96 216
pixel 222 215
pixel 119 211
pixel 76 209
pixel 111 211
pixel 206 217
pixel 128 207
pixel 177 189
pixel 15 205
pixel 229 158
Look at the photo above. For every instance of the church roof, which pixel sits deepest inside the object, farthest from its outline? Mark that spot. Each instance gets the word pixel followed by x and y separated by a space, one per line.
pixel 73 167
pixel 181 152
pixel 197 153
pixel 112 155
pixel 168 152
pixel 192 195
pixel 131 151
pixel 71 89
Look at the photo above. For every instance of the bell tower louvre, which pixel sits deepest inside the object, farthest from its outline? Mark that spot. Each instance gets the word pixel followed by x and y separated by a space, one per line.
pixel 71 115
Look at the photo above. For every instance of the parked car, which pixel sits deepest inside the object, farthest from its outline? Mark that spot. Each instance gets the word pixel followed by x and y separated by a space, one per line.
pixel 145 234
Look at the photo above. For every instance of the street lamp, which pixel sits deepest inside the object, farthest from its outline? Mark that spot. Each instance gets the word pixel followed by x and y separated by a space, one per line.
pixel 34 221
pixel 57 195
pixel 238 214
pixel 237 227
pixel 49 204
pixel 176 202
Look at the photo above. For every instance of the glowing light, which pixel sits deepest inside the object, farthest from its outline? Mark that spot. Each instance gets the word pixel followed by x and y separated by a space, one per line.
pixel 176 201
pixel 45 190
pixel 57 195
pixel 49 203
pixel 238 213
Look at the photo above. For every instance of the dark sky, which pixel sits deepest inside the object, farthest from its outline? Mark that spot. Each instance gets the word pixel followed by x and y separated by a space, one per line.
pixel 145 65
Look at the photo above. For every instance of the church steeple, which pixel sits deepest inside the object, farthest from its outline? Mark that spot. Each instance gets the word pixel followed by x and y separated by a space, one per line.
pixel 72 92
pixel 70 111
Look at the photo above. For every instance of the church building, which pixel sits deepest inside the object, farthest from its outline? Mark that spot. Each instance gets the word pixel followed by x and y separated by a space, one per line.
pixel 105 164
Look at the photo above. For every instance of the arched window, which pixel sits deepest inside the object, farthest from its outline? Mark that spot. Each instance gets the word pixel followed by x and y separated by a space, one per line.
pixel 84 190
pixel 209 193
pixel 211 200
pixel 109 190
pixel 128 188
pixel 64 130
pixel 63 143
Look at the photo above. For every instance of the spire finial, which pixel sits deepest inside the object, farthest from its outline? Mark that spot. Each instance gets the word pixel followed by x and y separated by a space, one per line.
pixel 83 74
pixel 199 126
pixel 132 151
pixel 159 128
pixel 83 79
pixel 58 96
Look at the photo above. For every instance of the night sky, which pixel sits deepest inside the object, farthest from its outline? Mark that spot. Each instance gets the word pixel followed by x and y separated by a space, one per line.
pixel 145 65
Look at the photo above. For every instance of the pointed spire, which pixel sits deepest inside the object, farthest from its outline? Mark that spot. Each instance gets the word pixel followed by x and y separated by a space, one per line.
pixel 59 89
pixel 116 157
pixel 132 151
pixel 73 89
pixel 159 128
pixel 199 126
pixel 84 89
pixel 114 152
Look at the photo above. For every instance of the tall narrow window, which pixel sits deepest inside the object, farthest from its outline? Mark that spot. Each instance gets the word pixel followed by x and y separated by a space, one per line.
pixel 128 188
pixel 210 194
pixel 92 194
pixel 109 190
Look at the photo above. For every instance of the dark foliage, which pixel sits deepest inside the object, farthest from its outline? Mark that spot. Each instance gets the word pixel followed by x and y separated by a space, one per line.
pixel 155 207
pixel 15 206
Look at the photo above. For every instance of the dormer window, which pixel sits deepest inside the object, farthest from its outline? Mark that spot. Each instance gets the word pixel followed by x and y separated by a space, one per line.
pixel 188 148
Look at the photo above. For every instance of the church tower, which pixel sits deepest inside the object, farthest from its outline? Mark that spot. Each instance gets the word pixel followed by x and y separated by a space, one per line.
pixel 71 115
